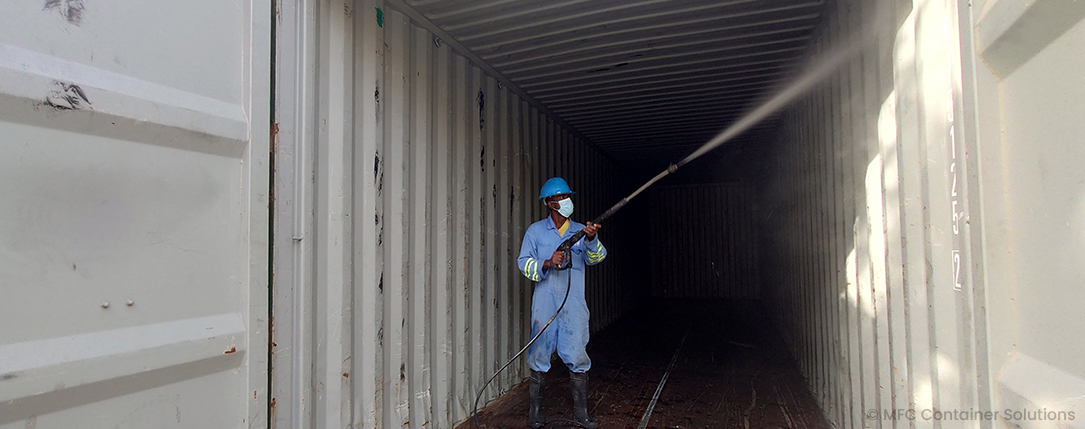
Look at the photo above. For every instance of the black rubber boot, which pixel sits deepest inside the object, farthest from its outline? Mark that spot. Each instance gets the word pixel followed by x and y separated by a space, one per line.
pixel 578 383
pixel 535 419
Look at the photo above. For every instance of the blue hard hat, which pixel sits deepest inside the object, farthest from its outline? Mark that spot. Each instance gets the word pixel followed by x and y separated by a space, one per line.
pixel 554 186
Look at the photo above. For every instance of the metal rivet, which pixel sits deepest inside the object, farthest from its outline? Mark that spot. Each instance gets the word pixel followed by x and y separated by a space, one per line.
pixel 105 304
pixel 130 303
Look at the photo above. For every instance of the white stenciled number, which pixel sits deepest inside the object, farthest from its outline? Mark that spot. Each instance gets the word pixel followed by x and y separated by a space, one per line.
pixel 956 229
pixel 956 270
pixel 952 169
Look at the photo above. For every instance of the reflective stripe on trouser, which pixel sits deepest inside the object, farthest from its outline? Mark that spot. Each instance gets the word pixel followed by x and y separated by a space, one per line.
pixel 568 335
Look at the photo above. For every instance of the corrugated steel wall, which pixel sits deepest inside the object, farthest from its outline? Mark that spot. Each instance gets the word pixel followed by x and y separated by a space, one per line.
pixel 704 242
pixel 865 214
pixel 405 178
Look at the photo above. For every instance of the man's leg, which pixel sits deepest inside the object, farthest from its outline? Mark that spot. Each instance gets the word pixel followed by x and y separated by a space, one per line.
pixel 538 356
pixel 578 383
pixel 539 352
pixel 572 336
pixel 535 418
pixel 572 347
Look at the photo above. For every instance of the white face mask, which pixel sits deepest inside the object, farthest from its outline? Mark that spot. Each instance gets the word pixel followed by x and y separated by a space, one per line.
pixel 565 207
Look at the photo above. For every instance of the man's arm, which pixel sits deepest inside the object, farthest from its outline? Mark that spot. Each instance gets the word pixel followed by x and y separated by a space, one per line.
pixel 594 251
pixel 529 267
pixel 532 268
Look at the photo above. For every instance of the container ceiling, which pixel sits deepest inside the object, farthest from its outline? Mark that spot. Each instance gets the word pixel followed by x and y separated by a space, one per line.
pixel 647 81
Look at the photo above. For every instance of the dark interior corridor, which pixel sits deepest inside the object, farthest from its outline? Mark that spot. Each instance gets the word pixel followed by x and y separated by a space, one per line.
pixel 733 371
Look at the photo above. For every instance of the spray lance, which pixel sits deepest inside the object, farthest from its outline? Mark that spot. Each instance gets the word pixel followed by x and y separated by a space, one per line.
pixel 777 102
pixel 567 245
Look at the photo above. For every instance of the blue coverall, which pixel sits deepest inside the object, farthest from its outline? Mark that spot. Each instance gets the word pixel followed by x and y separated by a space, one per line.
pixel 569 332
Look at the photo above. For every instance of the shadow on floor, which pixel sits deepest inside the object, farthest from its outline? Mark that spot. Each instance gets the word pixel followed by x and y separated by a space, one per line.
pixel 733 371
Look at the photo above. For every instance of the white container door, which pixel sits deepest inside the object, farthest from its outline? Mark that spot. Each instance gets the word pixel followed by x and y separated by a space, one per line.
pixel 133 213
pixel 1030 99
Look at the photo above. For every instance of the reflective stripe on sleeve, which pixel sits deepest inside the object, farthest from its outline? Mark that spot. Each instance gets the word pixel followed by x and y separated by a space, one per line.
pixel 597 255
pixel 527 269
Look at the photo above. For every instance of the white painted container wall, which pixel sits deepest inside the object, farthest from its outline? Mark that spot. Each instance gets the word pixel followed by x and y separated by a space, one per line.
pixel 134 214
pixel 704 242
pixel 916 196
pixel 868 254
pixel 405 178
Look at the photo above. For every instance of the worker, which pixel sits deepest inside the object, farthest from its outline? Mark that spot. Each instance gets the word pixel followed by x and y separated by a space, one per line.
pixel 554 271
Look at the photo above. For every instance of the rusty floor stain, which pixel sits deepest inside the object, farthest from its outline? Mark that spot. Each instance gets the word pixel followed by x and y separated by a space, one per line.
pixel 733 372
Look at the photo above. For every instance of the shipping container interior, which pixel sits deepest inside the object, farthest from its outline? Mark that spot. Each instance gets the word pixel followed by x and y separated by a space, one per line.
pixel 828 261
pixel 308 213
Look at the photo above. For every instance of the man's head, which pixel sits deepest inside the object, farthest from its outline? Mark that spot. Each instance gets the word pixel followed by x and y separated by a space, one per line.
pixel 554 201
pixel 555 194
